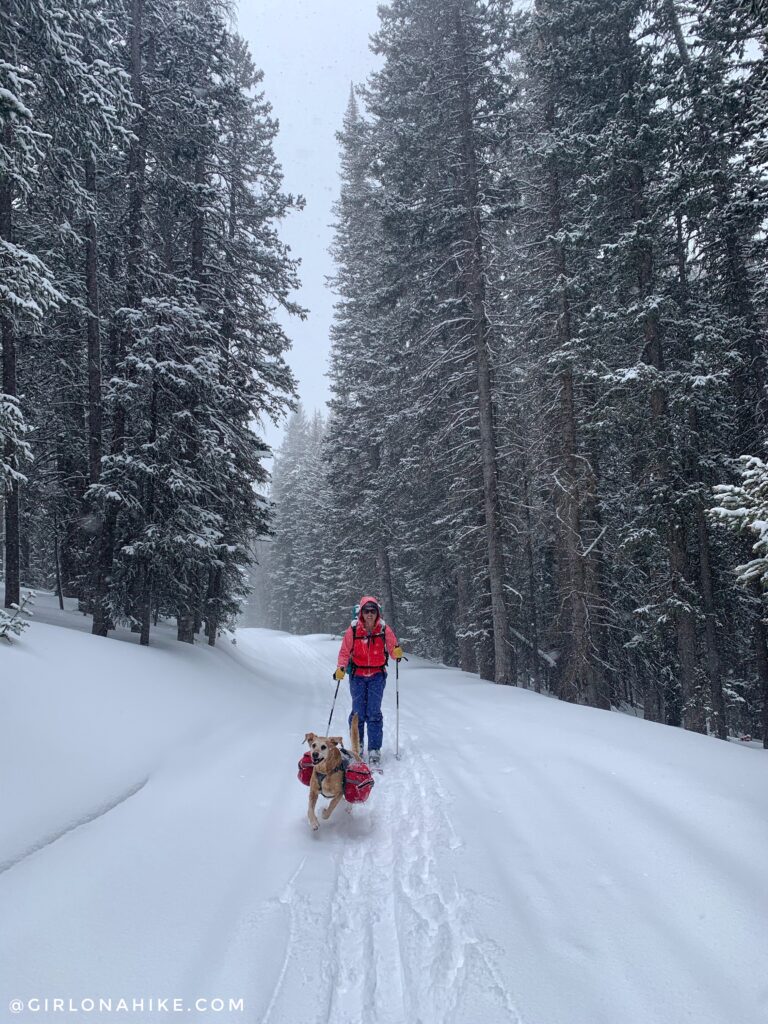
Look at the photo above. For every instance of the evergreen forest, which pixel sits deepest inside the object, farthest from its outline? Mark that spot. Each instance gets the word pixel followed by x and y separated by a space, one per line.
pixel 545 448
pixel 546 440
pixel 141 274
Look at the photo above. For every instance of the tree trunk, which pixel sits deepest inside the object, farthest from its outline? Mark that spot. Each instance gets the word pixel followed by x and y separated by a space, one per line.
pixel 213 605
pixel 693 717
pixel 185 626
pixel 654 703
pixel 761 653
pixel 95 409
pixel 677 540
pixel 579 673
pixel 9 387
pixel 694 470
pixel 68 537
pixel 714 669
pixel 533 617
pixel 145 570
pixel 57 563
pixel 198 230
pixel 134 248
pixel 579 678
pixel 467 652
pixel 145 602
pixel 485 657
pixel 385 576
pixel 473 273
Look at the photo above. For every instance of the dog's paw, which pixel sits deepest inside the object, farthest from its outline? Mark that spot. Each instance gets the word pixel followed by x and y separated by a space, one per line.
pixel 315 825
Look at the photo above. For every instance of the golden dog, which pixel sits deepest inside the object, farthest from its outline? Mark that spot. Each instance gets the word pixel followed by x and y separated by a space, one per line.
pixel 327 770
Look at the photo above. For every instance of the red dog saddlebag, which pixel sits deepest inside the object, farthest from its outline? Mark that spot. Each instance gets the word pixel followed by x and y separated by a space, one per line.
pixel 358 783
pixel 305 769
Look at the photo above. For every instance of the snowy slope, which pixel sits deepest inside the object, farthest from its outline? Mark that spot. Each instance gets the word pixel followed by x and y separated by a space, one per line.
pixel 526 860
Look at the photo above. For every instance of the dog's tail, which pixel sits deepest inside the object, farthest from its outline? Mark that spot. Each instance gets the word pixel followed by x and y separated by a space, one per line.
pixel 354 736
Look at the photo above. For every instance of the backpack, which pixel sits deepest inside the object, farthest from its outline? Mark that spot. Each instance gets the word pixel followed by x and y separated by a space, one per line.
pixel 383 634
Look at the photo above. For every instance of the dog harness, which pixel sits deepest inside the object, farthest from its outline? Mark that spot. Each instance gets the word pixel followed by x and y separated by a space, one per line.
pixel 346 758
pixel 357 778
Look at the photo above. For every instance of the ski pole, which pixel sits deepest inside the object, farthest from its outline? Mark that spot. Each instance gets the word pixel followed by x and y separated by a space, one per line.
pixel 338 684
pixel 397 710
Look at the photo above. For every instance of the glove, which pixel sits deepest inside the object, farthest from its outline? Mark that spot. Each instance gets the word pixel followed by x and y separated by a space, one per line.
pixel 397 653
pixel 339 673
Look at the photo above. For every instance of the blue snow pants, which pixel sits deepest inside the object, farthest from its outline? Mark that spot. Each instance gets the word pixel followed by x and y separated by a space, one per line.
pixel 367 692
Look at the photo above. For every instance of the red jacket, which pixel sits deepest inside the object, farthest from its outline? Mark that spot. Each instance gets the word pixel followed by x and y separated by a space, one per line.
pixel 366 650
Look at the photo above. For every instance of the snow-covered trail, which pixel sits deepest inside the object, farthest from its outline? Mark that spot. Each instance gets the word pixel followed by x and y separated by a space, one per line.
pixel 526 861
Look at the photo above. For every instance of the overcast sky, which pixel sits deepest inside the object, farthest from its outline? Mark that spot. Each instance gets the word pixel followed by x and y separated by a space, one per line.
pixel 310 52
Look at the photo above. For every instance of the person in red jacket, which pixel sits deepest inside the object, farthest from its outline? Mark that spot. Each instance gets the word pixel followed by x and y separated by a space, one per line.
pixel 364 651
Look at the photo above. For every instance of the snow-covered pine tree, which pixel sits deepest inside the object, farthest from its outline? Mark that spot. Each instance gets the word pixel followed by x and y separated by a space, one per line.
pixel 65 383
pixel 201 353
pixel 65 107
pixel 439 107
pixel 255 275
pixel 27 287
pixel 313 539
pixel 710 72
pixel 287 573
pixel 112 491
pixel 743 507
pixel 634 315
pixel 554 348
pixel 652 409
pixel 361 438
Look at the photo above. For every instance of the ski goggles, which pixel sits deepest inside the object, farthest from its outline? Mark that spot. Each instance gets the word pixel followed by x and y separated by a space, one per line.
pixel 370 609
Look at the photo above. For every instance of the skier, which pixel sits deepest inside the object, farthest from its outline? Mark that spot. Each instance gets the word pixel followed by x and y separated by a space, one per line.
pixel 364 650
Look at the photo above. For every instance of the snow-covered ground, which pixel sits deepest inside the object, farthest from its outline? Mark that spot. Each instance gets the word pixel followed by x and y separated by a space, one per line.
pixel 525 861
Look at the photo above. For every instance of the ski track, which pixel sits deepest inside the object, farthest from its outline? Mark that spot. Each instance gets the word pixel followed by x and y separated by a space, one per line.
pixel 392 941
pixel 287 898
pixel 402 948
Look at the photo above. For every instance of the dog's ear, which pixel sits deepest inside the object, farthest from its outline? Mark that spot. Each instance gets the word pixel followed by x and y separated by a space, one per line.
pixel 309 737
pixel 338 740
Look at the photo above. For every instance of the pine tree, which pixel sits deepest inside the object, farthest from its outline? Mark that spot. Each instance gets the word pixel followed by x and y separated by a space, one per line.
pixel 202 352
pixel 439 107
pixel 139 197
pixel 61 109
pixel 359 441
pixel 743 507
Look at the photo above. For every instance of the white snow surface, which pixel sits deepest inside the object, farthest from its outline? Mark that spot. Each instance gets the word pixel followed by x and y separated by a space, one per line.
pixel 524 861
